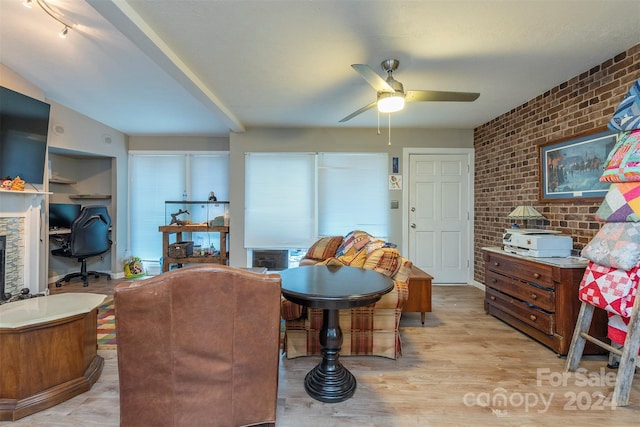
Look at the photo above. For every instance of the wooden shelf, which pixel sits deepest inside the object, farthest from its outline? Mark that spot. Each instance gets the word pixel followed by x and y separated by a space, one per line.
pixel 192 228
pixel 58 180
pixel 90 196
pixel 24 192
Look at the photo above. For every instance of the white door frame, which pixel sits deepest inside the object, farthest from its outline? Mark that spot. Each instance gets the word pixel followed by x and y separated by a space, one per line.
pixel 469 152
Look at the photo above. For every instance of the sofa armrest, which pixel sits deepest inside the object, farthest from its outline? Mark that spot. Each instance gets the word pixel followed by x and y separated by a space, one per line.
pixel 396 298
pixel 290 310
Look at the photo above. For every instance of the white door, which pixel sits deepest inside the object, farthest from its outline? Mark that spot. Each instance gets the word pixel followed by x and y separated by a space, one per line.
pixel 439 216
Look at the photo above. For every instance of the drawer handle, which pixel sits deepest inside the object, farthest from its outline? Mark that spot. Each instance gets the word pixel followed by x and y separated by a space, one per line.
pixel 536 275
pixel 492 298
pixel 494 280
pixel 533 317
pixel 534 296
pixel 496 264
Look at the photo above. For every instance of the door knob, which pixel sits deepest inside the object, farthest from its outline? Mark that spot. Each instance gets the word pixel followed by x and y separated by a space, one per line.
pixel 413 209
pixel 413 225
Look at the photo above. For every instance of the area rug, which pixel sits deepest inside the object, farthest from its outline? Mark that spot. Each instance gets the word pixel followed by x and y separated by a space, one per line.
pixel 106 326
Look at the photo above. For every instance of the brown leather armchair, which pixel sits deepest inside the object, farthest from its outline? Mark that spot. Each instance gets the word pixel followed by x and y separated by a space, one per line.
pixel 199 346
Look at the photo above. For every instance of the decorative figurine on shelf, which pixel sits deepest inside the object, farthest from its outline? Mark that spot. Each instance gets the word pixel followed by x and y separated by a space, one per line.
pixel 212 197
pixel 175 220
pixel 17 184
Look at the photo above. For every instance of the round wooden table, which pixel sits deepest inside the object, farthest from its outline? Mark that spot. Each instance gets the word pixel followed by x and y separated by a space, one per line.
pixel 332 288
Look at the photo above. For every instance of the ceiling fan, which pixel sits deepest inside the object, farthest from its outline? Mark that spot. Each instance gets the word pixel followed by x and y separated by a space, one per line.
pixel 391 94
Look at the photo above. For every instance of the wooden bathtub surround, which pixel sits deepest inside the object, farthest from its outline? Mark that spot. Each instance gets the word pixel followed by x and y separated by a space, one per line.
pixel 48 352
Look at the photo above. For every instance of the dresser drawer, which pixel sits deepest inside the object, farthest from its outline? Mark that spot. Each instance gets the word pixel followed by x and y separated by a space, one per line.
pixel 532 316
pixel 540 297
pixel 537 273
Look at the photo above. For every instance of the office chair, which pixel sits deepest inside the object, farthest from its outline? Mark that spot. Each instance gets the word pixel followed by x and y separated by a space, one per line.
pixel 89 237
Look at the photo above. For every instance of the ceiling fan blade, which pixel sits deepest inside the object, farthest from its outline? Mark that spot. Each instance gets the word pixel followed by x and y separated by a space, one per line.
pixel 434 95
pixel 377 82
pixel 362 110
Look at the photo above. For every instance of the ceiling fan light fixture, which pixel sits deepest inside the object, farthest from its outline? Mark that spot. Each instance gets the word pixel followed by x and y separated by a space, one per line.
pixel 390 102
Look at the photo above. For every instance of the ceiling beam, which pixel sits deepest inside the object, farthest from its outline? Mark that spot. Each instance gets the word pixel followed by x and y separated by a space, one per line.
pixel 124 18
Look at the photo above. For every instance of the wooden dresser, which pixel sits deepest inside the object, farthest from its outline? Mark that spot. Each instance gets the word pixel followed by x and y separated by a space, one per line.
pixel 538 296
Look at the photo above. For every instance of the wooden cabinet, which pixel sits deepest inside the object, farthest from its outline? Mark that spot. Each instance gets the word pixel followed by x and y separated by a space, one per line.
pixel 419 300
pixel 168 230
pixel 48 350
pixel 538 296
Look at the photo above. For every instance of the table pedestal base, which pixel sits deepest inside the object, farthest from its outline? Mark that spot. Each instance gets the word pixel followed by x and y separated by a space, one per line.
pixel 330 382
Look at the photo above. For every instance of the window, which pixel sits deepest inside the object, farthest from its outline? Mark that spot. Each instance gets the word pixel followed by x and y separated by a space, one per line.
pixel 352 194
pixel 157 177
pixel 292 198
pixel 279 200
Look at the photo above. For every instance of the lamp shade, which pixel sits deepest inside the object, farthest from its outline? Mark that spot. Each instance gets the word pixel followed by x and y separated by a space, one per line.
pixel 525 212
pixel 390 102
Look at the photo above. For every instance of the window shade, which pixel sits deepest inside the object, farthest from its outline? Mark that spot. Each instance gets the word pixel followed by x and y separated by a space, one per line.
pixel 279 200
pixel 282 189
pixel 352 194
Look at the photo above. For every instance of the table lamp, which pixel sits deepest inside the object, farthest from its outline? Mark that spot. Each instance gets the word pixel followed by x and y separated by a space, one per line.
pixel 525 213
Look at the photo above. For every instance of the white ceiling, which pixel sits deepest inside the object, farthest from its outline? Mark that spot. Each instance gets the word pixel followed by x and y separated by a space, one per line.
pixel 207 67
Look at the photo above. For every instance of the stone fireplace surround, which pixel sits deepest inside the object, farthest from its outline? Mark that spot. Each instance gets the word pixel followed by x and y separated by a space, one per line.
pixel 21 222
pixel 11 231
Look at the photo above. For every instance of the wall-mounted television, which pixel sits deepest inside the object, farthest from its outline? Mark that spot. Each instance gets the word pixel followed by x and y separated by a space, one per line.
pixel 24 126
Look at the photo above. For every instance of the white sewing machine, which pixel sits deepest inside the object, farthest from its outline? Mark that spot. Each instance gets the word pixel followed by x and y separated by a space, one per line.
pixel 536 243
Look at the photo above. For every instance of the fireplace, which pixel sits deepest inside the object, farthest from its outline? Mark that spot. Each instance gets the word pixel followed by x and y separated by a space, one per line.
pixel 3 243
pixel 24 244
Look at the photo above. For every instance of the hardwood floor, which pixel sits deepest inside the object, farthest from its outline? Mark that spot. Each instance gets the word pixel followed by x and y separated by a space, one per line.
pixel 453 372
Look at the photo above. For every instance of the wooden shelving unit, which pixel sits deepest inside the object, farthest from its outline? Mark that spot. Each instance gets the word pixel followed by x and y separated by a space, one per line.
pixel 168 230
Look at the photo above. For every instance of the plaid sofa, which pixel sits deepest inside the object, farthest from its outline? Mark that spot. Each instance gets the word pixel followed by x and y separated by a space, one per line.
pixel 370 330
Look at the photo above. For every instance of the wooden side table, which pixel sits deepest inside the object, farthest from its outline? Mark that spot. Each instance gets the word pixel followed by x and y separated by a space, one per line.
pixel 419 300
pixel 167 230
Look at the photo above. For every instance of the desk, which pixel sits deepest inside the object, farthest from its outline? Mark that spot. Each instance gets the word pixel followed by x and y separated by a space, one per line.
pixel 332 288
pixel 59 231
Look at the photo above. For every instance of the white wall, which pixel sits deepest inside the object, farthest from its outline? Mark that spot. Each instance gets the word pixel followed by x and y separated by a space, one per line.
pixel 309 140
pixel 73 131
pixel 178 143
pixel 327 140
pixel 84 134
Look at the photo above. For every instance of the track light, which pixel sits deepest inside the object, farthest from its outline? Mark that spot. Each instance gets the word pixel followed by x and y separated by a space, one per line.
pixel 52 13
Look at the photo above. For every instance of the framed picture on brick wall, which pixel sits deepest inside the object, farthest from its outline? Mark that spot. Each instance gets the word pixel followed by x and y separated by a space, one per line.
pixel 570 168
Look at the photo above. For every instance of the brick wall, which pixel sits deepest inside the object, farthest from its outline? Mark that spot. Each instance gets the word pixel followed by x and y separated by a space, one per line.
pixel 506 152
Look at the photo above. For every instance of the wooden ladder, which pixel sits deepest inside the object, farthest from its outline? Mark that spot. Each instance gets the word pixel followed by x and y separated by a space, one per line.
pixel 628 353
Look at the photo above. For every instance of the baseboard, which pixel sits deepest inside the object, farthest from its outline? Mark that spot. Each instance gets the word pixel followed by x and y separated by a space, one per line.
pixel 479 285
pixel 54 279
